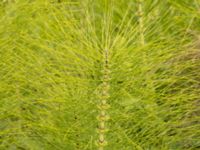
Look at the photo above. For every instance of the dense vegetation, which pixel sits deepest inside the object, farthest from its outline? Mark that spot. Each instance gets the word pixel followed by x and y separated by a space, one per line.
pixel 100 74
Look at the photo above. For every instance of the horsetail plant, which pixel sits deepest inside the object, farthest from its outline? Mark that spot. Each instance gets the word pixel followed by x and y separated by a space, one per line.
pixel 99 75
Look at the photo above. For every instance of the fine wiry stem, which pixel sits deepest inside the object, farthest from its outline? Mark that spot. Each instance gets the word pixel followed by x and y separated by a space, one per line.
pixel 103 106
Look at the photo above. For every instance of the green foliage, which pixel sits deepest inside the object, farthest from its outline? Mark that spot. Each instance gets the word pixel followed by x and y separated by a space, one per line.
pixel 59 60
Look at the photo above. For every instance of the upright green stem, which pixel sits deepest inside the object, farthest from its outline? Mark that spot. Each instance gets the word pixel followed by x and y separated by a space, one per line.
pixel 148 81
pixel 103 105
pixel 141 22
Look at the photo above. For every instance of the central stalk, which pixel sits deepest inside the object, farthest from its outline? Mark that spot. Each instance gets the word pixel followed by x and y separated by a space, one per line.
pixel 103 105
